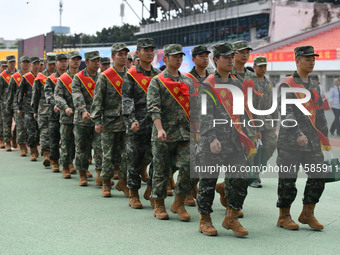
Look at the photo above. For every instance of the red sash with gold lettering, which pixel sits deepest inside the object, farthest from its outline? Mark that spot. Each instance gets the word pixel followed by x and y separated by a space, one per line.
pixel 67 81
pixel 6 76
pixel 114 78
pixel 174 88
pixel 311 107
pixel 142 80
pixel 195 81
pixel 17 78
pixel 29 77
pixel 226 99
pixel 53 78
pixel 42 78
pixel 87 81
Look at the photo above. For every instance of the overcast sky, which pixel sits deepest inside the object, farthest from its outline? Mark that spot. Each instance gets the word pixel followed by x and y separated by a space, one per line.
pixel 22 19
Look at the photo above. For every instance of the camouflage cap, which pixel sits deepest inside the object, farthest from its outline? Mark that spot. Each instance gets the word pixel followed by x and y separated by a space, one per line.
pixel 241 45
pixel 145 43
pixel 199 49
pixel 91 55
pixel 35 59
pixel 105 60
pixel 74 54
pixel 135 57
pixel 223 49
pixel 25 58
pixel 61 56
pixel 10 58
pixel 129 57
pixel 260 60
pixel 118 47
pixel 305 51
pixel 41 60
pixel 50 57
pixel 3 63
pixel 173 49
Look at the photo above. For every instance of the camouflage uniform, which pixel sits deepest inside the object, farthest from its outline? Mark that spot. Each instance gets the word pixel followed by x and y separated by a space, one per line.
pixel 291 155
pixel 84 131
pixel 138 145
pixel 106 110
pixel 162 105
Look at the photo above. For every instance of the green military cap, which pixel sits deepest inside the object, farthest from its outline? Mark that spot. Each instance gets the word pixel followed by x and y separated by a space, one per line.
pixel 129 57
pixel 118 47
pixel 260 60
pixel 35 59
pixel 61 56
pixel 145 43
pixel 199 49
pixel 10 58
pixel 41 60
pixel 135 57
pixel 91 55
pixel 25 58
pixel 173 49
pixel 305 51
pixel 50 57
pixel 223 49
pixel 3 63
pixel 105 60
pixel 241 45
pixel 73 54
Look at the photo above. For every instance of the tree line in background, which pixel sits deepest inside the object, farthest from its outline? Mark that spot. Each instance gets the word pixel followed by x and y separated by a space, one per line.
pixel 113 34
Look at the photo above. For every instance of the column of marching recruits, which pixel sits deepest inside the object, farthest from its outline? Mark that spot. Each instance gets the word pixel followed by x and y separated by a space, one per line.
pixel 135 117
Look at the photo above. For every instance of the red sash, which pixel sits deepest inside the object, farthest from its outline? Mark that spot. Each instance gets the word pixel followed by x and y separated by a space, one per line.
pixel 174 88
pixel 17 78
pixel 6 76
pixel 53 78
pixel 195 81
pixel 114 78
pixel 42 78
pixel 67 81
pixel 87 81
pixel 311 107
pixel 29 77
pixel 142 80
pixel 226 99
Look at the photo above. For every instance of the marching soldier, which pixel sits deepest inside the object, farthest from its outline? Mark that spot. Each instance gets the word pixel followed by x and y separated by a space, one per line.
pixel 5 77
pixel 3 66
pixel 63 100
pixel 302 144
pixel 83 85
pixel 24 107
pixel 106 112
pixel 138 121
pixel 242 54
pixel 41 108
pixel 53 118
pixel 12 103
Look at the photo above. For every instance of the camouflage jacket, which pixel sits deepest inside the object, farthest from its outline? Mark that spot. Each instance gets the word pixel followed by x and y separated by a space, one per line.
pixel 4 89
pixel 38 102
pixel 288 135
pixel 195 74
pixel 265 102
pixel 63 100
pixel 134 105
pixel 82 100
pixel 106 108
pixel 25 96
pixel 11 101
pixel 242 76
pixel 49 94
pixel 162 105
pixel 227 135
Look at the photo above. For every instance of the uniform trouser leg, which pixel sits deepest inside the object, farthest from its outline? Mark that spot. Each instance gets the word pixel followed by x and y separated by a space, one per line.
pixel 269 141
pixel 44 133
pixel 54 130
pixel 162 153
pixel 336 123
pixel 97 148
pixel 67 144
pixel 7 125
pixel 137 146
pixel 21 128
pixel 82 142
pixel 290 162
pixel 111 142
pixel 32 130
pixel 1 122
